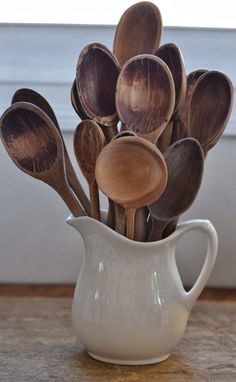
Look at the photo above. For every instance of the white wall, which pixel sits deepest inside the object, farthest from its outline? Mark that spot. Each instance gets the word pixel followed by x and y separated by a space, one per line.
pixel 36 245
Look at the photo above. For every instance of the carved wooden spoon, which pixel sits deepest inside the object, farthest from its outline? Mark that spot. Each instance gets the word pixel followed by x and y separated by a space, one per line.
pixel 185 163
pixel 138 31
pixel 88 142
pixel 96 76
pixel 132 172
pixel 172 56
pixel 210 108
pixel 145 96
pixel 109 132
pixel 34 144
pixel 192 78
pixel 31 96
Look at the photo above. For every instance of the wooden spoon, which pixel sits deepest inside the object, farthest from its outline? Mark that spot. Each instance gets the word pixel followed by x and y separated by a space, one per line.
pixel 31 96
pixel 185 163
pixel 210 108
pixel 145 96
pixel 34 144
pixel 172 56
pixel 88 142
pixel 192 78
pixel 109 132
pixel 138 31
pixel 96 76
pixel 132 172
pixel 141 214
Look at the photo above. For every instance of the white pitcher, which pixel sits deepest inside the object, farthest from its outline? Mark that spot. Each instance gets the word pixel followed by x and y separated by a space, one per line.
pixel 129 305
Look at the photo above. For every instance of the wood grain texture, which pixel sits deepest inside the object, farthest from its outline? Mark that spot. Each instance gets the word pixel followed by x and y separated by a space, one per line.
pixel 185 164
pixel 210 108
pixel 31 96
pixel 131 171
pixel 145 96
pixel 88 141
pixel 38 344
pixel 34 144
pixel 139 31
pixel 67 290
pixel 96 77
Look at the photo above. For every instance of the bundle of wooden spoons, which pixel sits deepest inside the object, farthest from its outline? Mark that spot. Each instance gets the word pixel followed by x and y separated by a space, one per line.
pixel 146 128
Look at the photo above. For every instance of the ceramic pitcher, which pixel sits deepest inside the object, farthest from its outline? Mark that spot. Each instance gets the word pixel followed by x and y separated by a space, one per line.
pixel 129 305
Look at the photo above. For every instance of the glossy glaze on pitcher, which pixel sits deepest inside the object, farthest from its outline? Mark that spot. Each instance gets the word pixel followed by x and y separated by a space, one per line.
pixel 129 305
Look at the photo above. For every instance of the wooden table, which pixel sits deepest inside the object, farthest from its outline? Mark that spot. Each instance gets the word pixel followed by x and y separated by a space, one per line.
pixel 37 344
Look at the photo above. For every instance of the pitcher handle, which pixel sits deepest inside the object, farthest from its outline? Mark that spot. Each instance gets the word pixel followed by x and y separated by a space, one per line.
pixel 206 227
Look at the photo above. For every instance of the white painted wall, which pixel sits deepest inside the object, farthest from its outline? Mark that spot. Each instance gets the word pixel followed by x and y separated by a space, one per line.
pixel 36 245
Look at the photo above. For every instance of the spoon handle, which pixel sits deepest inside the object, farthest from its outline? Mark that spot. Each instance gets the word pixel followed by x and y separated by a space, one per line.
pixel 164 141
pixel 109 132
pixel 75 184
pixel 141 224
pixel 157 229
pixel 70 200
pixel 94 199
pixel 111 214
pixel 130 213
pixel 120 219
pixel 170 228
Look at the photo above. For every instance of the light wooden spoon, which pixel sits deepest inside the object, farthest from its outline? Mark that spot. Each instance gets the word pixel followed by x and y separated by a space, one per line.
pixel 185 163
pixel 132 172
pixel 145 96
pixel 88 142
pixel 172 56
pixel 138 31
pixel 31 96
pixel 34 144
pixel 210 108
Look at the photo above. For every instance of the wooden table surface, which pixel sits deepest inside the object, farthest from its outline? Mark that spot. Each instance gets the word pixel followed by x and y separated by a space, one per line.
pixel 37 344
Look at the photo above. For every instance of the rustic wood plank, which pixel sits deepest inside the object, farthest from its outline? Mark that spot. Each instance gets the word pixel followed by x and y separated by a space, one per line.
pixel 67 290
pixel 38 344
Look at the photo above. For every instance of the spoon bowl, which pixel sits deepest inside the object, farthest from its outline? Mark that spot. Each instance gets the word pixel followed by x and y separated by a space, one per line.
pixel 34 144
pixel 138 31
pixel 145 96
pixel 132 172
pixel 96 76
pixel 185 163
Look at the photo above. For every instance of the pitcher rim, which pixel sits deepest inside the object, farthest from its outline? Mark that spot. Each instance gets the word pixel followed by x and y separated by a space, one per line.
pixel 124 238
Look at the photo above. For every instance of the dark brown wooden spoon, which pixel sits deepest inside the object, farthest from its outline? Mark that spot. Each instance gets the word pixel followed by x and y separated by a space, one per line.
pixel 109 132
pixel 192 78
pixel 88 143
pixel 96 77
pixel 145 96
pixel 185 163
pixel 34 144
pixel 172 56
pixel 138 31
pixel 132 172
pixel 210 108
pixel 31 96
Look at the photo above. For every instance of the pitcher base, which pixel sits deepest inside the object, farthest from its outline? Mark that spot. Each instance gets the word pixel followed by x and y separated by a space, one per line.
pixel 129 362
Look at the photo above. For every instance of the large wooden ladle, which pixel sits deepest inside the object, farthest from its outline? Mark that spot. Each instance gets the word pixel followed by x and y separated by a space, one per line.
pixel 138 31
pixel 34 144
pixel 210 108
pixel 88 142
pixel 145 96
pixel 132 172
pixel 31 96
pixel 185 163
